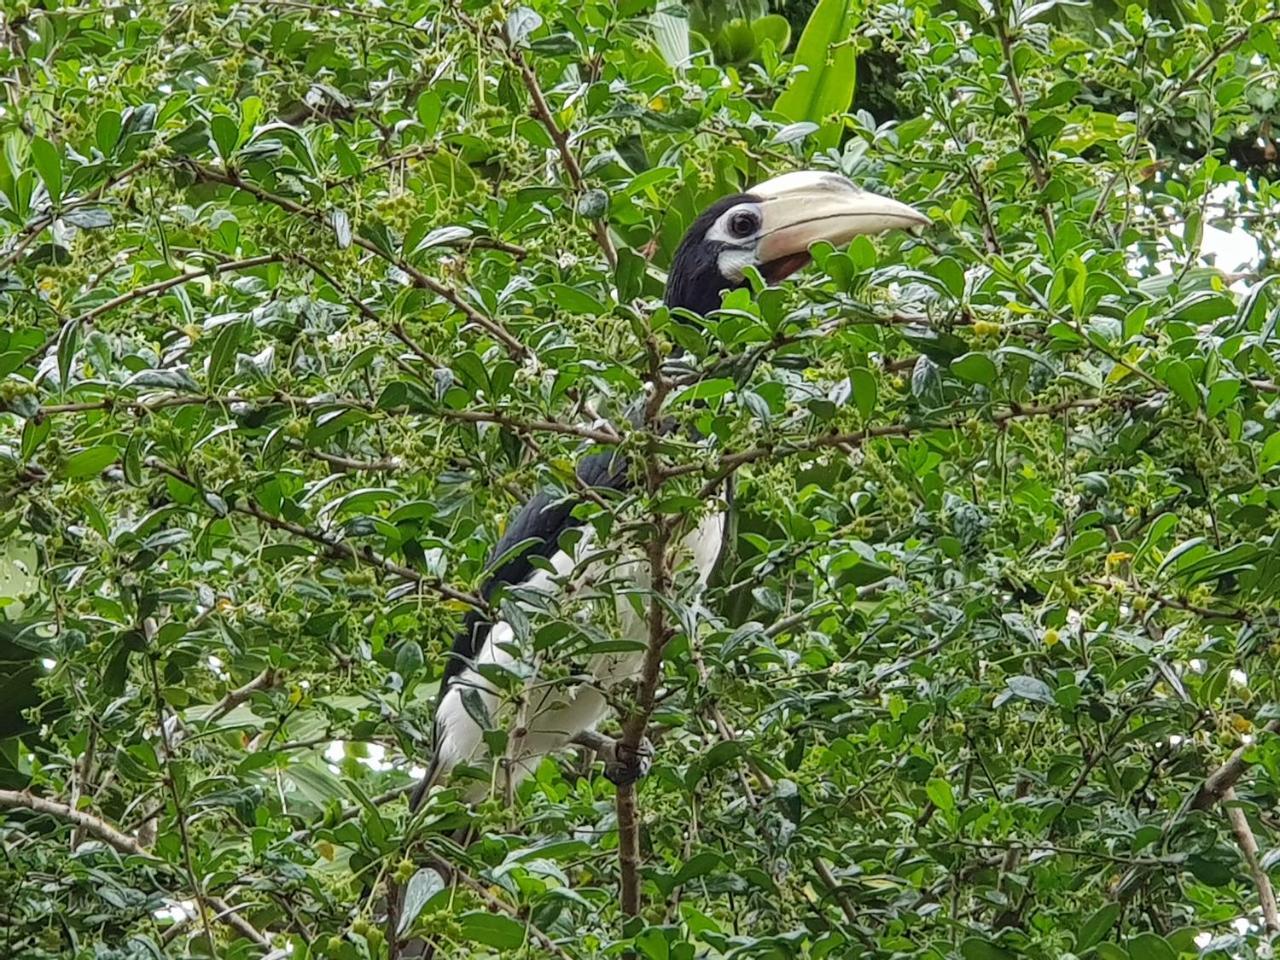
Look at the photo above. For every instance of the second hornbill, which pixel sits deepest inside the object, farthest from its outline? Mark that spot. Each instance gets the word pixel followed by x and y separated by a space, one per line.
pixel 770 227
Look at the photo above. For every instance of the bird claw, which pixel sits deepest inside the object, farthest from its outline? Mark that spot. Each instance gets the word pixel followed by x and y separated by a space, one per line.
pixel 629 765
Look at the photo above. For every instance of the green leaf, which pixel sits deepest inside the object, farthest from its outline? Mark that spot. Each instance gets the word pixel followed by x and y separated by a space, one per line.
pixel 409 658
pixel 976 949
pixel 940 793
pixel 226 135
pixel 865 390
pixel 774 28
pixel 825 86
pixel 48 163
pixel 926 384
pixel 341 225
pixel 1270 454
pixel 223 353
pixel 1180 380
pixel 88 218
pixel 698 866
pixel 428 110
pixel 1150 946
pixel 473 703
pixel 652 944
pixel 90 462
pixel 1097 926
pixel 107 130
pixel 975 367
pixel 706 390
pixel 520 24
pixel 492 929
pixel 132 461
pixel 629 275
pixel 68 344
pixel 576 301
pixel 1030 688
pixel 1221 394
pixel 422 886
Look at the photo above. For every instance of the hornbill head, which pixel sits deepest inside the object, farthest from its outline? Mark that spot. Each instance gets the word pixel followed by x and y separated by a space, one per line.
pixel 770 227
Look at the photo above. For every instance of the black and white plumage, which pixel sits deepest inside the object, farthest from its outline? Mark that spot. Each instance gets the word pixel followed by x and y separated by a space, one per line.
pixel 770 227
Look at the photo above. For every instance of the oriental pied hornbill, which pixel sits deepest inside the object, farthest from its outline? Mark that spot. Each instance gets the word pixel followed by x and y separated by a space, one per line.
pixel 771 228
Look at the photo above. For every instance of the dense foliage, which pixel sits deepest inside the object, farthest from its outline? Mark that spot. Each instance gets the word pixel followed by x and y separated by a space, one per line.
pixel 302 301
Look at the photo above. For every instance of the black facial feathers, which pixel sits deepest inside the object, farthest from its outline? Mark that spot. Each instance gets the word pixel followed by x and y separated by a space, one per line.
pixel 694 281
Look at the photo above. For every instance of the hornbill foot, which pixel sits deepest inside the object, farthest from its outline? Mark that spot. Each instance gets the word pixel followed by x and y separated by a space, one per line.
pixel 629 764
pixel 622 764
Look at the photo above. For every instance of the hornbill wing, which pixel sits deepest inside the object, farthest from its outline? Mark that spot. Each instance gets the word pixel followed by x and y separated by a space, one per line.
pixel 544 518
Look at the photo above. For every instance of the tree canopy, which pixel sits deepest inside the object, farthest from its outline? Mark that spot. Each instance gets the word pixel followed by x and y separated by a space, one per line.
pixel 302 300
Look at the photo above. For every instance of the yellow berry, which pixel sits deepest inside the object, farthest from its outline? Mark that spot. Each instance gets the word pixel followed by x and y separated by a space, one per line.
pixel 1051 637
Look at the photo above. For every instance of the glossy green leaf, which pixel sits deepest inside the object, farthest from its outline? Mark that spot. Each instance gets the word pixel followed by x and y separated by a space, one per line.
pixel 825 87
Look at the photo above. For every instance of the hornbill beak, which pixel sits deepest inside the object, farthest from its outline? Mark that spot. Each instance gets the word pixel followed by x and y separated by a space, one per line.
pixel 802 208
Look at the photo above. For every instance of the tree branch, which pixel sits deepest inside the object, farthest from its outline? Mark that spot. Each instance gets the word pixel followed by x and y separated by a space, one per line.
pixel 160 286
pixel 635 723
pixel 45 220
pixel 233 179
pixel 99 828
pixel 368 312
pixel 730 462
pixel 1249 850
pixel 267 679
pixel 604 435
pixel 599 228
pixel 1153 114
pixel 179 814
pixel 1222 780
pixel 338 462
pixel 335 548
pixel 497 905
pixel 1029 147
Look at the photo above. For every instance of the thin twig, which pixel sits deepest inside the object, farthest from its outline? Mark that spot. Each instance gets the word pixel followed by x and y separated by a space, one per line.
pixel 38 225
pixel 385 465
pixel 267 679
pixel 82 773
pixel 500 906
pixel 419 279
pixel 1157 110
pixel 336 548
pixel 368 312
pixel 599 228
pixel 171 783
pixel 603 435
pixel 1029 147
pixel 730 462
pixel 160 286
pixel 606 435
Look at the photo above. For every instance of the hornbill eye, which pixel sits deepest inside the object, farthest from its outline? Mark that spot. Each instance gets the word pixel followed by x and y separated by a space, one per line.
pixel 743 224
